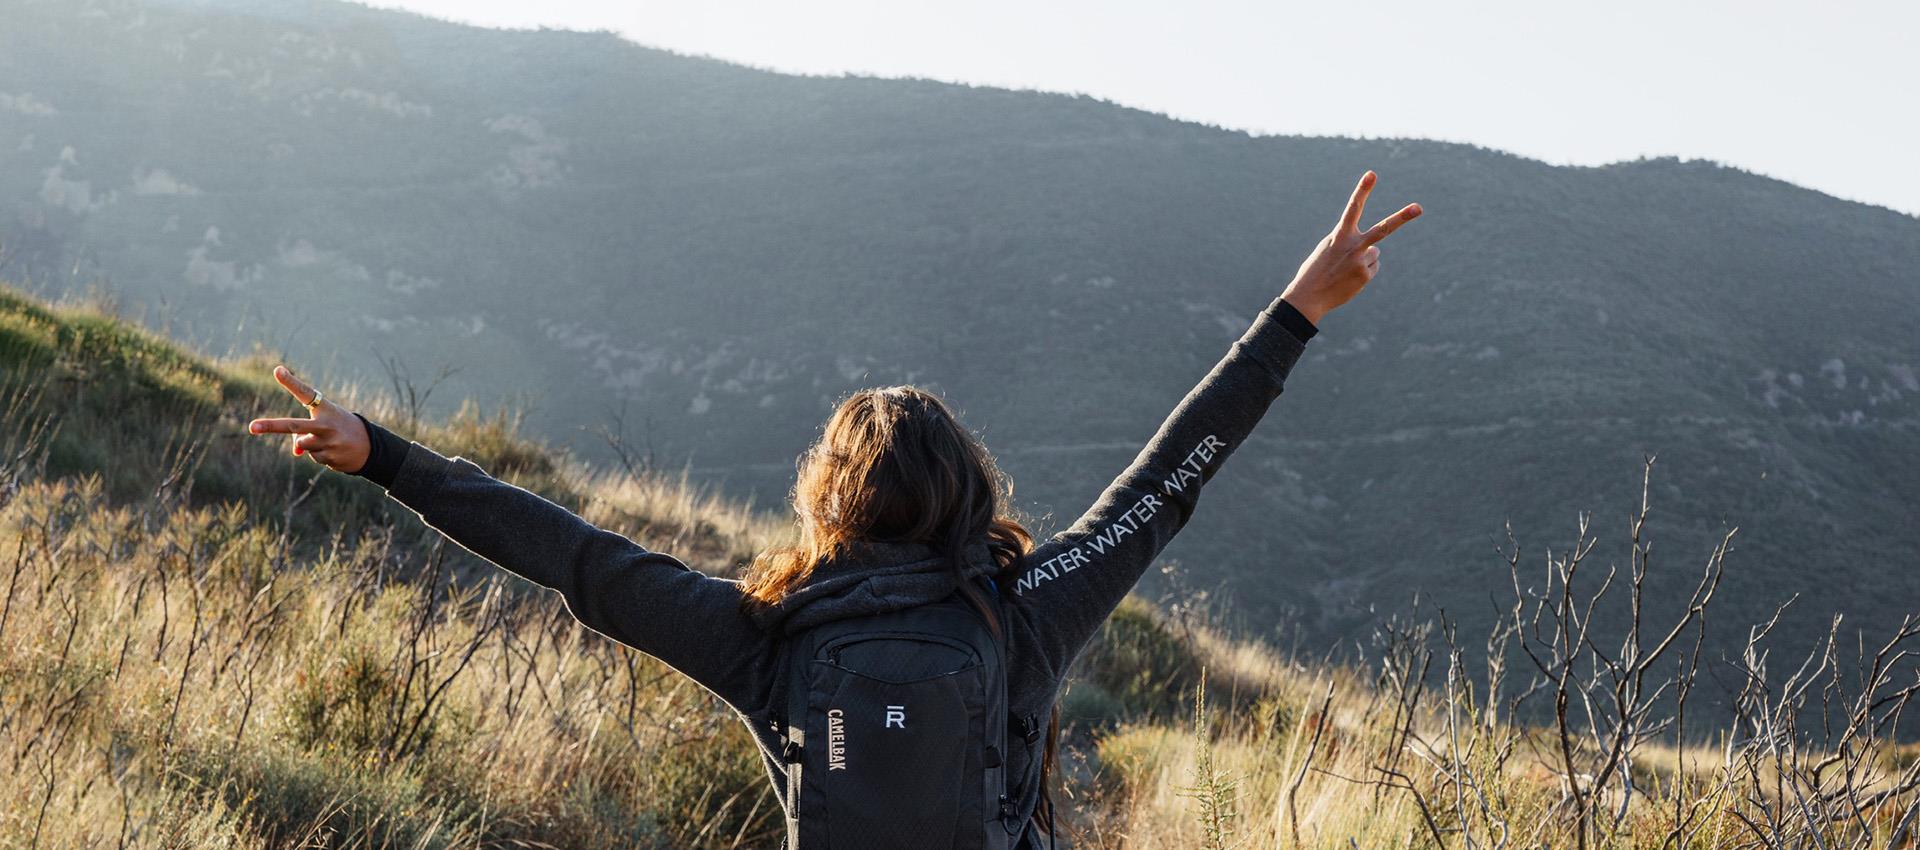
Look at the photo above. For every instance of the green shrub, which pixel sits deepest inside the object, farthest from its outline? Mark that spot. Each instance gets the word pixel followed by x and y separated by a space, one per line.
pixel 327 800
pixel 1086 704
pixel 1139 662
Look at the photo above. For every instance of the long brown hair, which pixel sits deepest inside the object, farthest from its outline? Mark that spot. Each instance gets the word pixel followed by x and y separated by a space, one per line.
pixel 895 465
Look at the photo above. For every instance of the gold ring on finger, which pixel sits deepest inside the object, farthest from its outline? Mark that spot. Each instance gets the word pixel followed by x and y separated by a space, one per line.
pixel 315 403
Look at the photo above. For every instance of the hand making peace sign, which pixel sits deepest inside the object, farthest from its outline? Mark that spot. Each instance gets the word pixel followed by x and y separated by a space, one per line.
pixel 1342 264
pixel 331 434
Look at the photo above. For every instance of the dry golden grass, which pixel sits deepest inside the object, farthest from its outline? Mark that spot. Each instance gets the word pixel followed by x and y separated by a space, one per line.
pixel 1313 755
pixel 189 679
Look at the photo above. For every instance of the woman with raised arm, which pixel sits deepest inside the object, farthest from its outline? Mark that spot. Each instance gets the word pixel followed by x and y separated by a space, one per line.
pixel 900 509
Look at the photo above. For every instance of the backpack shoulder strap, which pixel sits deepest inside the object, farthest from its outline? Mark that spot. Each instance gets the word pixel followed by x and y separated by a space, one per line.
pixel 790 711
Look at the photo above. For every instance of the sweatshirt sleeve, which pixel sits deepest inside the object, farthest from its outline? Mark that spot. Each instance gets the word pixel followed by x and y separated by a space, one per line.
pixel 644 599
pixel 385 452
pixel 1071 582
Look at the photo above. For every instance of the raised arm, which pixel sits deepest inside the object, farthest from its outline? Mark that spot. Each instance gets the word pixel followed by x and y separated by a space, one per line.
pixel 644 599
pixel 1075 579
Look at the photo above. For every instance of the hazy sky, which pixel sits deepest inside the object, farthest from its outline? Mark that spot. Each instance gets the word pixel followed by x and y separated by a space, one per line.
pixel 1823 93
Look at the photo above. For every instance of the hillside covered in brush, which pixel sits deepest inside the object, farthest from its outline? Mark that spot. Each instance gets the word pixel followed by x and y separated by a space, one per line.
pixel 717 253
pixel 206 642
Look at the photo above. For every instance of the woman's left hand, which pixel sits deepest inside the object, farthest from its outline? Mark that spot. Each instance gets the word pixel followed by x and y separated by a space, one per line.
pixel 1346 260
pixel 331 435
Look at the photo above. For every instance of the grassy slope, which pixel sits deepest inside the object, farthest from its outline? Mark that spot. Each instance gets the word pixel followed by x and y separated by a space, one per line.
pixel 201 666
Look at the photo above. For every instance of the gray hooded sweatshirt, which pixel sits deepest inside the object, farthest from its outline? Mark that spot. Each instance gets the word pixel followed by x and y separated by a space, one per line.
pixel 1054 601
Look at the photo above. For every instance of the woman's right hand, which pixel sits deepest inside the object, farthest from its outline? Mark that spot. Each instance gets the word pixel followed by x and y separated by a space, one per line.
pixel 331 435
pixel 1342 264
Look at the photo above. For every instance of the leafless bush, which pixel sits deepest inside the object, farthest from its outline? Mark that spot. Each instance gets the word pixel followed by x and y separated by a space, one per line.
pixel 638 461
pixel 408 394
pixel 24 443
pixel 1600 709
pixel 1827 785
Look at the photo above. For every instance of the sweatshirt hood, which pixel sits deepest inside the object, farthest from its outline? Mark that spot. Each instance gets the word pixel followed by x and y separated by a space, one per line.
pixel 872 578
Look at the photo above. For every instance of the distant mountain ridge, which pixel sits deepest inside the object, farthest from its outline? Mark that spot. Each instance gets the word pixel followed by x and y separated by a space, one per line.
pixel 727 251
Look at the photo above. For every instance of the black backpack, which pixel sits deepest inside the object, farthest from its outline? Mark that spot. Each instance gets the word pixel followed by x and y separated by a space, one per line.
pixel 897 732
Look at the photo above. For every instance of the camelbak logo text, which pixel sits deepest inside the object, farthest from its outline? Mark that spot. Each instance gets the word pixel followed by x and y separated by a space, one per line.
pixel 1182 479
pixel 896 717
pixel 836 740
